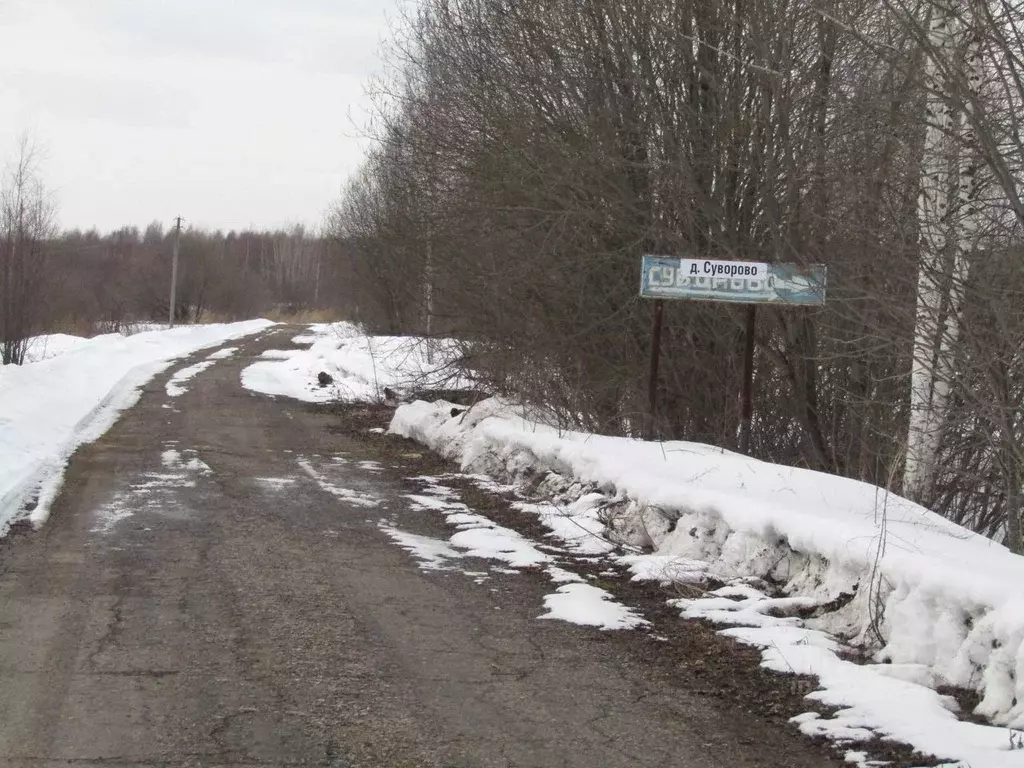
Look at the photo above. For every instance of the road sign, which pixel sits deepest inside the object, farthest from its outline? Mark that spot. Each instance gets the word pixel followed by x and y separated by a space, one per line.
pixel 742 282
pixel 745 282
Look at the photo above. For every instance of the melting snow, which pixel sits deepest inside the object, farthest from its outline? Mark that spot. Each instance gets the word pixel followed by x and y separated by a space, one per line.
pixel 176 384
pixel 348 495
pixel 480 537
pixel 584 604
pixel 157 491
pixel 931 602
pixel 432 554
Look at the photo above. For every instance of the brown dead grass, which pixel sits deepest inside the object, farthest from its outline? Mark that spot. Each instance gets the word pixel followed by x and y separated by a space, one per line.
pixel 306 316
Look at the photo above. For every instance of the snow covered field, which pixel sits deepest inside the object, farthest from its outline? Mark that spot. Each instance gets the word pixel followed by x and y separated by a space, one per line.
pixel 815 567
pixel 72 394
pixel 360 366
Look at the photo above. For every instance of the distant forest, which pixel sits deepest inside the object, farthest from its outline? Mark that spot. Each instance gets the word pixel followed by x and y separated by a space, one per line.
pixel 90 282
pixel 102 282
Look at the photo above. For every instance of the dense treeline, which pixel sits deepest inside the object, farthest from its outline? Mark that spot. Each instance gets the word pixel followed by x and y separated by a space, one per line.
pixel 121 277
pixel 529 153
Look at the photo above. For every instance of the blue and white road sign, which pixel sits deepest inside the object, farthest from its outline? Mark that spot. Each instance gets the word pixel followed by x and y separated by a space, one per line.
pixel 745 282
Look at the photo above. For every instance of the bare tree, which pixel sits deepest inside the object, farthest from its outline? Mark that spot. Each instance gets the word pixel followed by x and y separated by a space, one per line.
pixel 26 221
pixel 535 152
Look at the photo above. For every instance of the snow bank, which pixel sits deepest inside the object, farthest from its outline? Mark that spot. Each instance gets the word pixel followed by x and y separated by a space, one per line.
pixel 360 366
pixel 49 408
pixel 868 568
pixel 55 344
pixel 52 345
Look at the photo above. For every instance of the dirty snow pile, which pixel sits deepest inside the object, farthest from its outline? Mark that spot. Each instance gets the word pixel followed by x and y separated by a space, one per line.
pixel 814 566
pixel 359 367
pixel 72 395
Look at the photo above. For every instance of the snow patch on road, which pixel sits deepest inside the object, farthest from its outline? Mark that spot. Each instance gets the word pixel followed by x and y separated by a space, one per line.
pixel 280 354
pixel 276 483
pixel 176 384
pixel 187 460
pixel 348 495
pixel 223 354
pixel 479 537
pixel 109 516
pixel 590 606
pixel 432 554
pixel 158 491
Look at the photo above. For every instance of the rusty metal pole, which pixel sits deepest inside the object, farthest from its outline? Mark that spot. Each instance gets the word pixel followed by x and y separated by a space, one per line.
pixel 747 401
pixel 652 387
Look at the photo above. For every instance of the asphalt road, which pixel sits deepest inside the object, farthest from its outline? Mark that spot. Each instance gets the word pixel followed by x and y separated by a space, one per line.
pixel 199 599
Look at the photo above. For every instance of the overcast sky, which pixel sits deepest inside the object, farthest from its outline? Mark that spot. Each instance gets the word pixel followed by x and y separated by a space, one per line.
pixel 231 113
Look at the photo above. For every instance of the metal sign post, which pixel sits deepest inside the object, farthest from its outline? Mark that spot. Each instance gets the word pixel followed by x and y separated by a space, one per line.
pixel 747 396
pixel 739 282
pixel 652 385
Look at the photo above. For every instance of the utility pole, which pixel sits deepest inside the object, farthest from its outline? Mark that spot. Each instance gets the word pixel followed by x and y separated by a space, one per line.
pixel 174 270
pixel 316 280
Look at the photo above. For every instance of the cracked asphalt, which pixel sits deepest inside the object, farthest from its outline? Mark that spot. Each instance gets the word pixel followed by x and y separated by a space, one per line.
pixel 199 598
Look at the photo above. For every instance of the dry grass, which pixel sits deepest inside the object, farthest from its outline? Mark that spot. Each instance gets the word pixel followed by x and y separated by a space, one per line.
pixel 72 327
pixel 89 328
pixel 306 316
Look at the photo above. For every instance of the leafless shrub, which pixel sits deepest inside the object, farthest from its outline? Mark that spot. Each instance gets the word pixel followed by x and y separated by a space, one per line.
pixel 26 221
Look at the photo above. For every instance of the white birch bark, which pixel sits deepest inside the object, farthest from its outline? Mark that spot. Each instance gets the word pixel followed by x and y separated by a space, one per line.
pixel 948 227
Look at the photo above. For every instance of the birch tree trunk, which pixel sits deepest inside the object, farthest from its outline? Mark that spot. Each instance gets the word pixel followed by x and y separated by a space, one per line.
pixel 948 219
